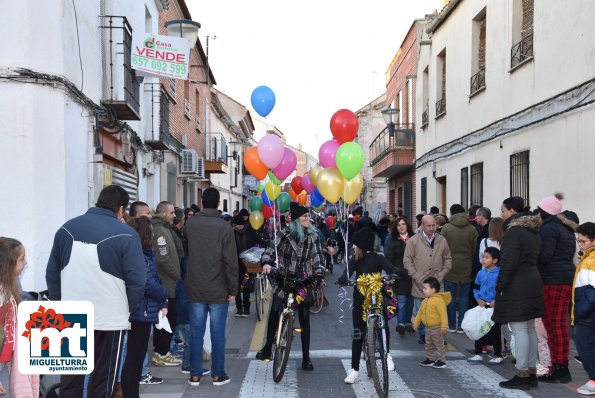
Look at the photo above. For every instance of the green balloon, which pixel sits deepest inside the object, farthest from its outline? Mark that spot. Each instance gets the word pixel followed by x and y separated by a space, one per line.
pixel 260 188
pixel 283 201
pixel 274 178
pixel 255 203
pixel 350 159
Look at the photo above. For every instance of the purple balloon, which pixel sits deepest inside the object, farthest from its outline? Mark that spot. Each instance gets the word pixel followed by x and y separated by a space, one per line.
pixel 327 153
pixel 287 165
pixel 270 150
pixel 307 184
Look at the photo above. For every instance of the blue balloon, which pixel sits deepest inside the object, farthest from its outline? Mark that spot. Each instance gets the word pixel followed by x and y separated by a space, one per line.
pixel 265 198
pixel 263 100
pixel 316 198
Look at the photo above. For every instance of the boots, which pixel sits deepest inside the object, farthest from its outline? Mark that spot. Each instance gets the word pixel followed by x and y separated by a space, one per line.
pixel 520 381
pixel 533 377
pixel 559 373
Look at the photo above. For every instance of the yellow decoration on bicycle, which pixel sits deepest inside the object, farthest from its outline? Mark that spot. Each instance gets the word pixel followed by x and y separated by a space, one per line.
pixel 368 284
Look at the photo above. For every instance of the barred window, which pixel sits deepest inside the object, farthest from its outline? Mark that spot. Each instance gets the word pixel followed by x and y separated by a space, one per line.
pixel 465 187
pixel 424 194
pixel 519 175
pixel 477 184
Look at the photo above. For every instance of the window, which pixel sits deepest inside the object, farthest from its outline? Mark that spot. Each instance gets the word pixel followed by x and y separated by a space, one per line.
pixel 441 84
pixel 465 187
pixel 197 111
pixel 522 32
pixel 400 102
pixel 477 184
pixel 172 89
pixel 424 194
pixel 478 66
pixel 409 102
pixel 519 175
pixel 224 205
pixel 164 113
pixel 425 116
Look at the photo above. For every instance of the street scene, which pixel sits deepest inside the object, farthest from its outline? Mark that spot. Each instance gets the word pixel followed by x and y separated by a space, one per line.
pixel 313 199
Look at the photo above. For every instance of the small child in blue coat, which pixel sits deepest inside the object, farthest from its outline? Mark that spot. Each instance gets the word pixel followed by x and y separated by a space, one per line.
pixel 484 291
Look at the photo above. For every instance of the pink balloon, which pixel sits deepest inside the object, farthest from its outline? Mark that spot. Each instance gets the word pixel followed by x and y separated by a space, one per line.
pixel 327 153
pixel 307 184
pixel 270 150
pixel 287 165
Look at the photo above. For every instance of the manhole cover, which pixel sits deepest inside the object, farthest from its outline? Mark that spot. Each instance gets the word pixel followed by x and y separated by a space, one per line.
pixel 425 394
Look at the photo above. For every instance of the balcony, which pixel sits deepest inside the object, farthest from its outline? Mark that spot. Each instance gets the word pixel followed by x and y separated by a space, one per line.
pixel 425 117
pixel 478 82
pixel 216 153
pixel 522 51
pixel 393 154
pixel 123 87
pixel 441 107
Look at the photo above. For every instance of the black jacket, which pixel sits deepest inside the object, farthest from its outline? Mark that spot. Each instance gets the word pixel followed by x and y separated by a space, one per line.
pixel 558 246
pixel 519 291
pixel 394 252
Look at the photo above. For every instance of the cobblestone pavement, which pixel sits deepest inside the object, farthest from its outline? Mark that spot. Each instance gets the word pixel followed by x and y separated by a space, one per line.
pixel 331 353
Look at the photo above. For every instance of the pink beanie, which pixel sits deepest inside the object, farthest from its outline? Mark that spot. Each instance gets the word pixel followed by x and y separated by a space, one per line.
pixel 552 204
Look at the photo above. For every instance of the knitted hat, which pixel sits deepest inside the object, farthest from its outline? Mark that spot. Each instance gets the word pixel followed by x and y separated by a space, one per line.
pixel 552 204
pixel 364 239
pixel 297 210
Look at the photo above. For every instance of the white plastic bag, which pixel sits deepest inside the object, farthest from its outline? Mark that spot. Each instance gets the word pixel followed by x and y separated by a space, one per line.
pixel 477 322
pixel 163 323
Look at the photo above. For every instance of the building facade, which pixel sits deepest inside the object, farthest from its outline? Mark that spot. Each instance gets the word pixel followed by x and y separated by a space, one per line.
pixel 506 90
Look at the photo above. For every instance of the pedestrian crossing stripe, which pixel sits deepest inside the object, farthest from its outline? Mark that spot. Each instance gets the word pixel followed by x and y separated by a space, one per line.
pixel 258 381
pixel 396 354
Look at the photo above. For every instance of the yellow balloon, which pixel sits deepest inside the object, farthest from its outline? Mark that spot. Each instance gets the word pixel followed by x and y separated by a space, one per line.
pixel 352 189
pixel 314 173
pixel 256 219
pixel 272 190
pixel 330 184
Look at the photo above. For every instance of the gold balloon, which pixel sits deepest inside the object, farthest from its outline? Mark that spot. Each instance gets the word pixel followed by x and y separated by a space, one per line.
pixel 330 184
pixel 314 173
pixel 272 190
pixel 256 219
pixel 352 188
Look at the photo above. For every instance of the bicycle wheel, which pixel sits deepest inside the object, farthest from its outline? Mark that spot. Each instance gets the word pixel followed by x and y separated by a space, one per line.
pixel 283 348
pixel 318 301
pixel 367 357
pixel 377 357
pixel 258 297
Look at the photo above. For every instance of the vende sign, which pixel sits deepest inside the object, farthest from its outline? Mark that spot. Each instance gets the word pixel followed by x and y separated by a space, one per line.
pixel 164 56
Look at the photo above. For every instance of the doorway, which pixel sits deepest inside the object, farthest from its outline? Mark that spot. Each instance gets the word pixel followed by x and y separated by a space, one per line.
pixel 441 193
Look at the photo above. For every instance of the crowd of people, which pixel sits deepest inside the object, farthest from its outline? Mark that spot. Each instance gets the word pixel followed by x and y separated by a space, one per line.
pixel 171 273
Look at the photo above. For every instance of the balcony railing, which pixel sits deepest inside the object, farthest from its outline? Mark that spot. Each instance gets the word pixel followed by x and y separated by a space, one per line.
pixel 216 148
pixel 521 51
pixel 478 81
pixel 425 117
pixel 123 86
pixel 440 107
pixel 403 138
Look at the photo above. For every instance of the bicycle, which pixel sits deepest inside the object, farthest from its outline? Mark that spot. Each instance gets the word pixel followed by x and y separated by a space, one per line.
pixel 261 285
pixel 317 295
pixel 375 344
pixel 295 292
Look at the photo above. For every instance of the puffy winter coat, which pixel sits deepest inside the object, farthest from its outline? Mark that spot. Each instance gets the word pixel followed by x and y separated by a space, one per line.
pixel 583 295
pixel 432 312
pixel 168 262
pixel 155 294
pixel 462 240
pixel 558 245
pixel 394 252
pixel 519 291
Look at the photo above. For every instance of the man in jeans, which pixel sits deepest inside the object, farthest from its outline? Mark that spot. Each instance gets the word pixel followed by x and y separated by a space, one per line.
pixel 211 282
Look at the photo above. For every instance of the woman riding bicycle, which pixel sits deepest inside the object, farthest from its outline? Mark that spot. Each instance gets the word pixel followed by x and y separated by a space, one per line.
pixel 299 252
pixel 364 261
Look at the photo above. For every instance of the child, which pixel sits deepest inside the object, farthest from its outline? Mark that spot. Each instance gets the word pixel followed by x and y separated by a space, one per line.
pixel 12 262
pixel 432 314
pixel 485 293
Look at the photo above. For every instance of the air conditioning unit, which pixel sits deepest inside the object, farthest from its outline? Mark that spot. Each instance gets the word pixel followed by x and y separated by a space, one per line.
pixel 200 167
pixel 189 161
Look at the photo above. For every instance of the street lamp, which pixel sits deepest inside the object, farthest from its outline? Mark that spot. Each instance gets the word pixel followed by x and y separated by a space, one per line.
pixel 183 28
pixel 390 116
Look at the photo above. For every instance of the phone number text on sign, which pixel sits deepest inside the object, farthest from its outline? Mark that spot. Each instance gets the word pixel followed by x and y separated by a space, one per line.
pixel 160 66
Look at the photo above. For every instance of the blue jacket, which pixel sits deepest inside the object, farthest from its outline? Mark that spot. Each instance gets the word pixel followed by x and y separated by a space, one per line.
pixel 155 294
pixel 96 257
pixel 485 284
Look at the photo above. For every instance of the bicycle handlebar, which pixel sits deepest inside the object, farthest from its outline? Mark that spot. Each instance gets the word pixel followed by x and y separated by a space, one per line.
pixel 385 279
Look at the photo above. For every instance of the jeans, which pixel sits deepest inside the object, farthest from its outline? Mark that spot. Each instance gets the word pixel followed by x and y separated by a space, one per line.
pixel 525 344
pixel 585 344
pixel 5 377
pixel 123 355
pixel 198 319
pixel 421 330
pixel 187 337
pixel 405 309
pixel 459 293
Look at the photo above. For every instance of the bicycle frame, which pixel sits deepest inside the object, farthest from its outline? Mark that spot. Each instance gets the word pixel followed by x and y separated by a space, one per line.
pixel 376 312
pixel 286 310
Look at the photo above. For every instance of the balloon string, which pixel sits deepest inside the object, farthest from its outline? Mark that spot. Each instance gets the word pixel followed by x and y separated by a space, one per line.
pixel 275 233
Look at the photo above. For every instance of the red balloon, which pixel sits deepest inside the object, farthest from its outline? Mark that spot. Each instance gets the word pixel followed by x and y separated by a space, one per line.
pixel 344 126
pixel 267 212
pixel 296 184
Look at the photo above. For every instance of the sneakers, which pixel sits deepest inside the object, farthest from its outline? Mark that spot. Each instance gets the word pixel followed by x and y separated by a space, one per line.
pixel 400 329
pixel 389 363
pixel 265 354
pixel 352 377
pixel 427 362
pixel 517 383
pixel 194 381
pixel 460 331
pixel 452 330
pixel 307 365
pixel 439 365
pixel 186 371
pixel 246 314
pixel 149 379
pixel 475 360
pixel 221 380
pixel 239 313
pixel 495 361
pixel 586 389
pixel 165 360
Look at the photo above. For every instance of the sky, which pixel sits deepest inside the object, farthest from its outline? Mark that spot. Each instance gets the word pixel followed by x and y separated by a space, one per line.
pixel 318 56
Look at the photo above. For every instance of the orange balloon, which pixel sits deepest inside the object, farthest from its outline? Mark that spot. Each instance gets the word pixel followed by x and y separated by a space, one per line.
pixel 292 194
pixel 302 198
pixel 254 165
